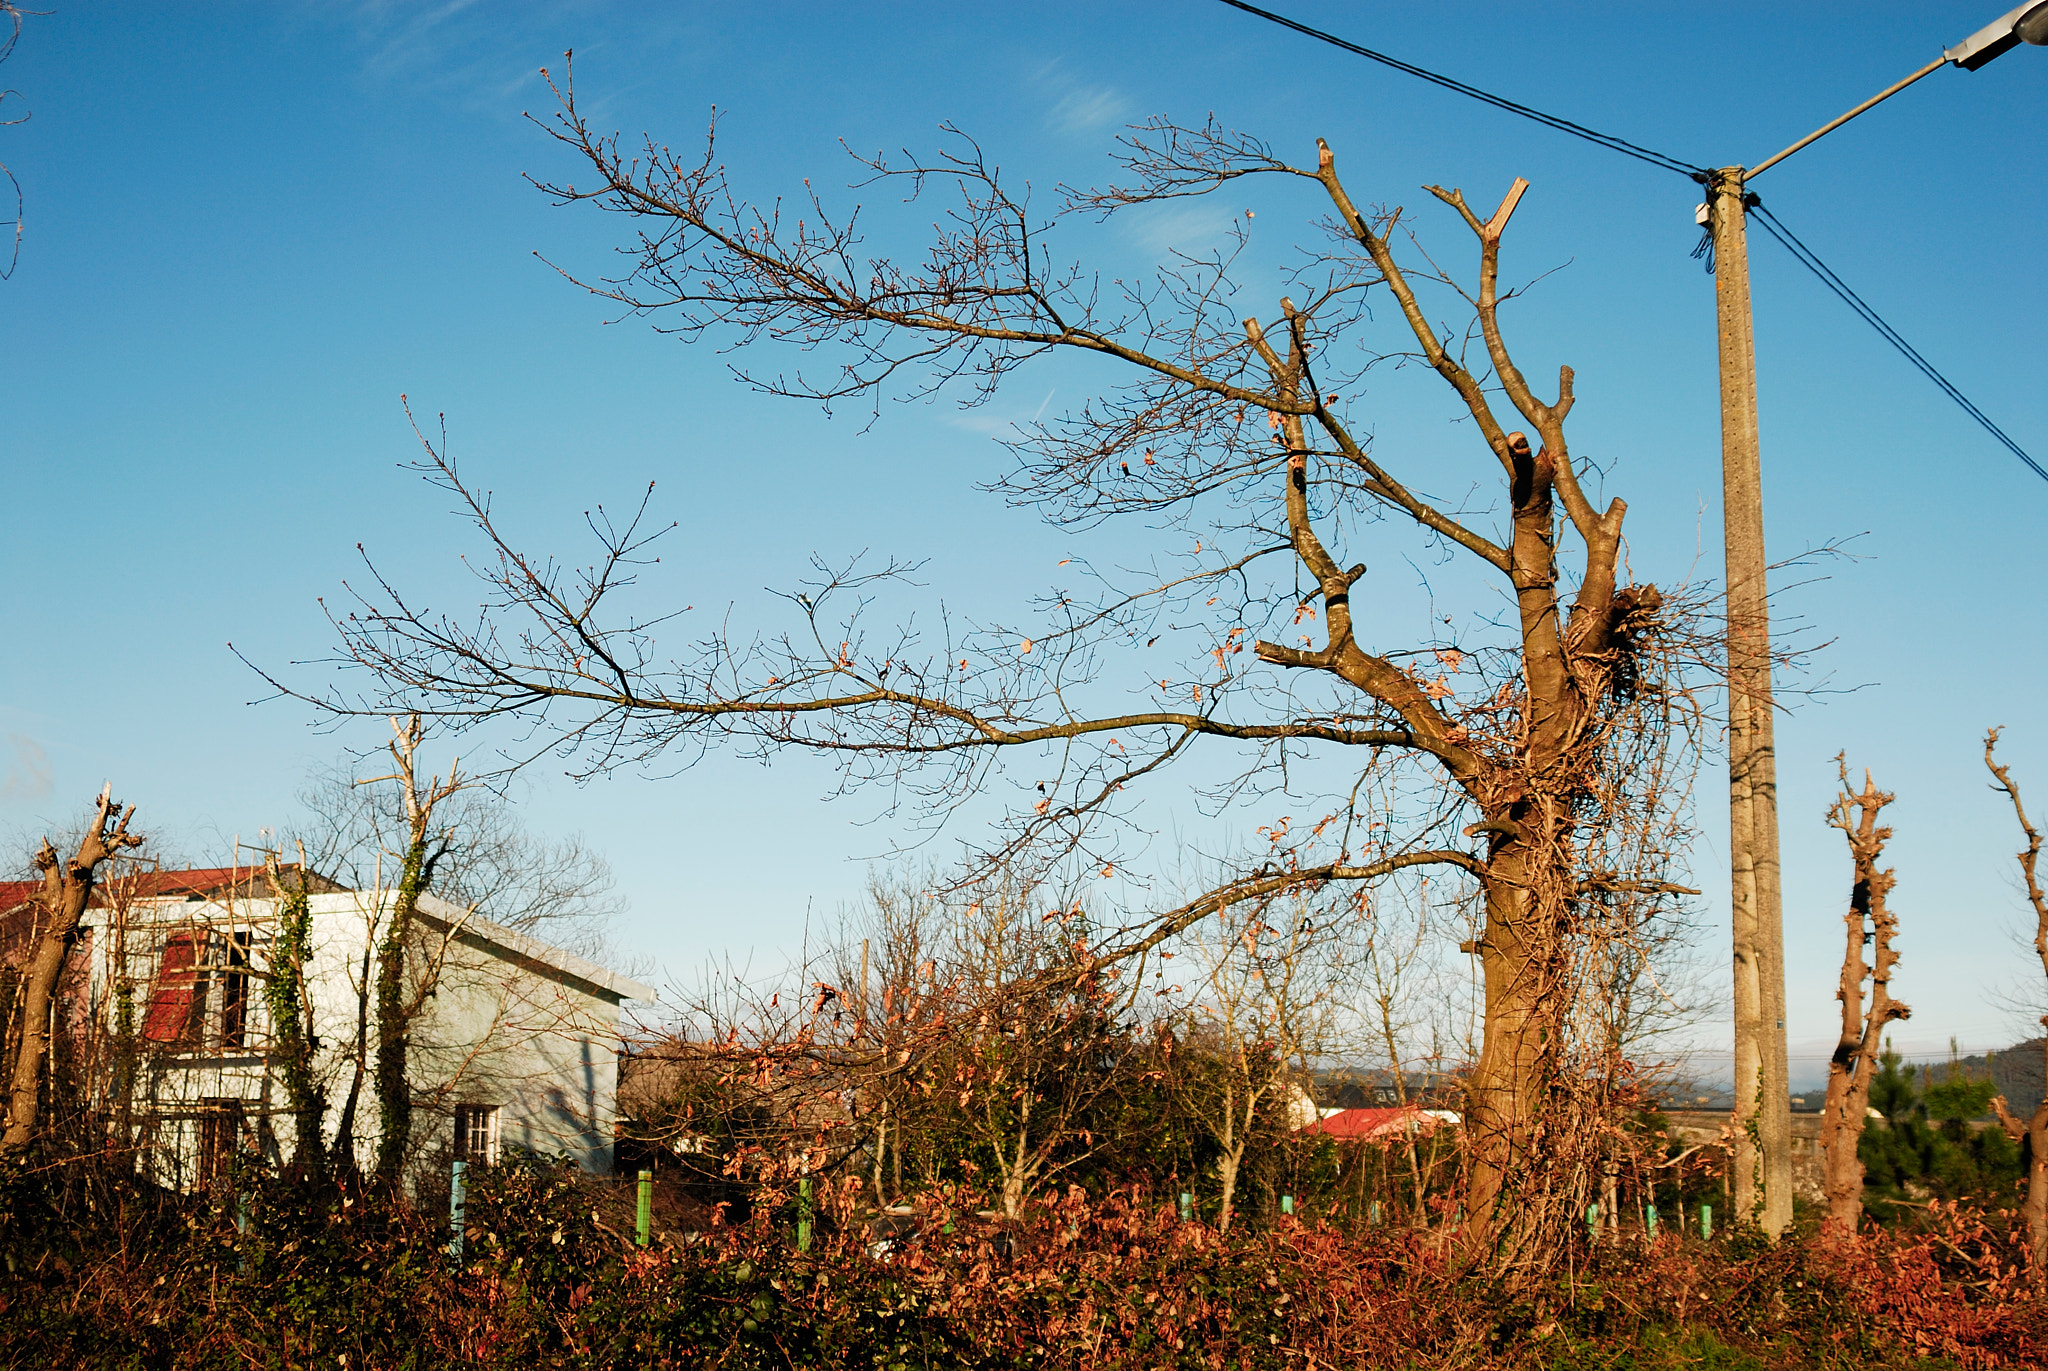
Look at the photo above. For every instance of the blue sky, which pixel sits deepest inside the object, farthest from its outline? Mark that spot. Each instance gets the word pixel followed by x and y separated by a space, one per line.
pixel 252 227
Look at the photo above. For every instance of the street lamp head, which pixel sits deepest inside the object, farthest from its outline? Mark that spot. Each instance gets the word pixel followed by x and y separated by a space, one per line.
pixel 2027 24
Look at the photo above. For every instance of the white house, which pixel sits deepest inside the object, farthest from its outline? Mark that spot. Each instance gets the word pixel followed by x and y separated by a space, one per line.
pixel 515 1043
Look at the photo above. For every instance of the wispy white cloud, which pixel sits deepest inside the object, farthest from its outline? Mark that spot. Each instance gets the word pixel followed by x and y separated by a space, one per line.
pixel 408 37
pixel 1011 423
pixel 1189 226
pixel 29 776
pixel 484 56
pixel 1078 106
pixel 1088 108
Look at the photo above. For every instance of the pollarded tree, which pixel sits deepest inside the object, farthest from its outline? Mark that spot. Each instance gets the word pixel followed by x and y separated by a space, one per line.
pixel 1532 747
pixel 2033 1130
pixel 65 888
pixel 1854 1065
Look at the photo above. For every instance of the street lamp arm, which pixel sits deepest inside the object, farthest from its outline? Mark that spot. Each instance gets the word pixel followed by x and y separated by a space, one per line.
pixel 2027 24
pixel 1825 129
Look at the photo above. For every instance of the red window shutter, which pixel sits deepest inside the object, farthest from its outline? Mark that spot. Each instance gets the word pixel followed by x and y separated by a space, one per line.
pixel 170 1001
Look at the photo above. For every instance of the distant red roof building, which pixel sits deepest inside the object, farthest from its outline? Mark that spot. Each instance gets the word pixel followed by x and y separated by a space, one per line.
pixel 1358 1125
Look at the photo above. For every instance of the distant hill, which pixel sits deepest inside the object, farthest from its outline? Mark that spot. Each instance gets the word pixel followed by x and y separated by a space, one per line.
pixel 2020 1076
pixel 2017 1072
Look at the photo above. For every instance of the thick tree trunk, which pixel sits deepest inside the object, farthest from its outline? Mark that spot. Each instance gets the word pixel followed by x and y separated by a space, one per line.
pixel 1505 1096
pixel 67 889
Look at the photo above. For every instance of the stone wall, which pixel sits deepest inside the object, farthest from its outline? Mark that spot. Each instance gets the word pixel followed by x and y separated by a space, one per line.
pixel 1696 1126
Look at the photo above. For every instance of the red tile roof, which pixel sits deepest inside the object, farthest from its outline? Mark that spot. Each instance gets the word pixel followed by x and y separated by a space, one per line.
pixel 201 880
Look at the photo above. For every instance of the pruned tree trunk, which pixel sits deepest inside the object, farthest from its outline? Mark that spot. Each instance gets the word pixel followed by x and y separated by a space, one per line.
pixel 1505 1094
pixel 1854 1063
pixel 2034 1131
pixel 396 1008
pixel 61 903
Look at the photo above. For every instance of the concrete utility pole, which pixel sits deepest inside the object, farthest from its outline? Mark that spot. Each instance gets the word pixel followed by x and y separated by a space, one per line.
pixel 1762 1164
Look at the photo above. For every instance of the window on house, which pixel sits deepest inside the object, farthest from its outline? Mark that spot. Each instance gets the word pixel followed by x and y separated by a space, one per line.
pixel 234 1007
pixel 177 988
pixel 220 1134
pixel 476 1134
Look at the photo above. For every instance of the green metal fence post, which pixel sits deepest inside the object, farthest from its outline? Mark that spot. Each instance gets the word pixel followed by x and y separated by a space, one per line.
pixel 643 1220
pixel 1592 1223
pixel 458 1206
pixel 1650 1221
pixel 1706 1221
pixel 1187 1206
pixel 242 1231
pixel 803 1215
pixel 1287 1204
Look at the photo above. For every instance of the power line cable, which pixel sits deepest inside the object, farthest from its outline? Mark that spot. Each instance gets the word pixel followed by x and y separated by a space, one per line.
pixel 1800 252
pixel 1805 256
pixel 1605 140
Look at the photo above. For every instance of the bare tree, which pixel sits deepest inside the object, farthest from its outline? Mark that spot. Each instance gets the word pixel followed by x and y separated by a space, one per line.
pixel 400 998
pixel 67 885
pixel 558 890
pixel 1392 953
pixel 397 836
pixel 896 1001
pixel 1854 1064
pixel 1264 1005
pixel 2033 1131
pixel 1036 1051
pixel 1526 736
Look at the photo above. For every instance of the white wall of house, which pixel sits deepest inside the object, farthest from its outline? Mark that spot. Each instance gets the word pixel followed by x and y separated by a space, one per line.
pixel 526 1033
